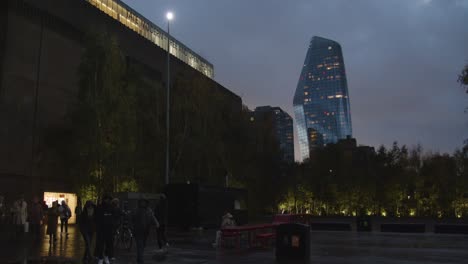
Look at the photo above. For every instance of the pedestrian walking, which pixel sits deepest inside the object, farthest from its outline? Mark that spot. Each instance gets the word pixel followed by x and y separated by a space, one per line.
pixel 105 221
pixel 20 214
pixel 35 218
pixel 52 222
pixel 87 225
pixel 161 214
pixel 65 214
pixel 143 219
pixel 78 208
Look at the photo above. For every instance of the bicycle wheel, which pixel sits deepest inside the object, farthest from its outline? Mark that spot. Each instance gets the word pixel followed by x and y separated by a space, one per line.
pixel 127 239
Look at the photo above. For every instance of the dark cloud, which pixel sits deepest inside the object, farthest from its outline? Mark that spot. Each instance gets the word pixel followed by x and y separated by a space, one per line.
pixel 402 57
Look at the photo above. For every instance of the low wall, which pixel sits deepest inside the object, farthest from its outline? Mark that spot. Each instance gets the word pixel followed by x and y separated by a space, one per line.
pixel 389 224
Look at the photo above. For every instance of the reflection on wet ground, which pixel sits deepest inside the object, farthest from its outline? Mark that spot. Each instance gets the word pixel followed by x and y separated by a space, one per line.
pixel 24 247
pixel 195 247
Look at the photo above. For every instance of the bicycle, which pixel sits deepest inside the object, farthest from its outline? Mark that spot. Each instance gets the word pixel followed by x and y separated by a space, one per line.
pixel 123 238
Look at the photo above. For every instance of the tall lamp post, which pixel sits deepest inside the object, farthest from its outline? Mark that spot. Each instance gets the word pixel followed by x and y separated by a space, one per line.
pixel 169 17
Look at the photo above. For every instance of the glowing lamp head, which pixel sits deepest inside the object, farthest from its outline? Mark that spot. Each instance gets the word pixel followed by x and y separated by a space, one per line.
pixel 169 16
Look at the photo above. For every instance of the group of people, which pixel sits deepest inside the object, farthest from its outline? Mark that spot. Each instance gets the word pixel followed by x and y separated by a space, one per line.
pixel 30 218
pixel 93 220
pixel 102 220
pixel 58 210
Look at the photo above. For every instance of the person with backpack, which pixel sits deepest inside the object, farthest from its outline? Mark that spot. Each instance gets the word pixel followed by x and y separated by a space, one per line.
pixel 143 219
pixel 65 214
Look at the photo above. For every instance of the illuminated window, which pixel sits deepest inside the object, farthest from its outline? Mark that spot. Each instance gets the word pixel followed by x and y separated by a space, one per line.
pixel 306 93
pixel 329 47
pixel 330 97
pixel 338 96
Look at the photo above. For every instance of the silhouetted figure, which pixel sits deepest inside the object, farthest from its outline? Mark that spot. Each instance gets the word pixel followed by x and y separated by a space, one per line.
pixel 87 224
pixel 52 222
pixel 35 217
pixel 105 222
pixel 78 208
pixel 143 219
pixel 161 214
pixel 65 214
pixel 20 214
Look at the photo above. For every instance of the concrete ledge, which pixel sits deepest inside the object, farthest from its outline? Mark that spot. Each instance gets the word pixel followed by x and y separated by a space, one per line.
pixel 403 228
pixel 330 226
pixel 451 229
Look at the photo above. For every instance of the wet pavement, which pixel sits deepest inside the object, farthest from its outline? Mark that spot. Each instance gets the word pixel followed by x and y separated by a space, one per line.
pixel 195 248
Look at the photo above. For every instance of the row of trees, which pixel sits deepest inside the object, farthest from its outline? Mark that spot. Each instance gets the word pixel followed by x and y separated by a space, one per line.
pixel 388 182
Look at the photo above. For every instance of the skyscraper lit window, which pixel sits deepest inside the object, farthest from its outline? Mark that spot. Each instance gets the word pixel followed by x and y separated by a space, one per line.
pixel 325 59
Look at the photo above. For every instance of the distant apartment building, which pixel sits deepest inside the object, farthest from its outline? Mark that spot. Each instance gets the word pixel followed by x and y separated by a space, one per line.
pixel 283 128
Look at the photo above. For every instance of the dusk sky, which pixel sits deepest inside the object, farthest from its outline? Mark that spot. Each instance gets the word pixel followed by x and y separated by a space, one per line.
pixel 402 58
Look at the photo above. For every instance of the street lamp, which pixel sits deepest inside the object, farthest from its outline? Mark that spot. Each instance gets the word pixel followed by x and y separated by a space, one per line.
pixel 169 16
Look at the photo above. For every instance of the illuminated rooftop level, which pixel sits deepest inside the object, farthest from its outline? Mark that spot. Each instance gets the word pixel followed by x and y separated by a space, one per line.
pixel 136 22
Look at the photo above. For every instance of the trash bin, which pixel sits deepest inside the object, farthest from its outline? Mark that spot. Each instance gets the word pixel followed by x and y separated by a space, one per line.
pixel 292 242
pixel 363 224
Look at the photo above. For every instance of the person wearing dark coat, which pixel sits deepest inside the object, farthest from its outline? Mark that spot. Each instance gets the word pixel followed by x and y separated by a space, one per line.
pixel 105 223
pixel 143 219
pixel 35 218
pixel 52 222
pixel 86 222
pixel 161 214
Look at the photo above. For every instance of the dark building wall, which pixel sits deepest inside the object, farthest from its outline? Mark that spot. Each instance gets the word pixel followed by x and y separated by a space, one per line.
pixel 40 50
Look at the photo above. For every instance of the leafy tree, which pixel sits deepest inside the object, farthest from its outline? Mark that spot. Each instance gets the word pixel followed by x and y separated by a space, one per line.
pixel 103 117
pixel 463 78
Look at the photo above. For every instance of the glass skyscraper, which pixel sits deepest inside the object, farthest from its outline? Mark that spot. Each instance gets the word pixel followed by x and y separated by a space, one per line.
pixel 321 101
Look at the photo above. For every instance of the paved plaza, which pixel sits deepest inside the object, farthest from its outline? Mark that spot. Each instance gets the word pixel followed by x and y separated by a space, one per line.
pixel 195 248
